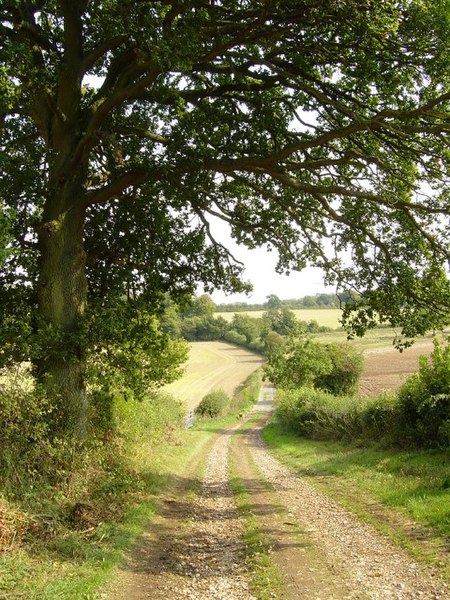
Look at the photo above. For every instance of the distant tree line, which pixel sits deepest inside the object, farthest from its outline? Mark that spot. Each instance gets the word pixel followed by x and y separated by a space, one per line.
pixel 196 321
pixel 314 301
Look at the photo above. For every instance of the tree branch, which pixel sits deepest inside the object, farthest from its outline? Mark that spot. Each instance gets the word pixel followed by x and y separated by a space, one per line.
pixel 115 188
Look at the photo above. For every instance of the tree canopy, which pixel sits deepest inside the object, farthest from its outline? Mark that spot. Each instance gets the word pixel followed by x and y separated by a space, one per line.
pixel 320 128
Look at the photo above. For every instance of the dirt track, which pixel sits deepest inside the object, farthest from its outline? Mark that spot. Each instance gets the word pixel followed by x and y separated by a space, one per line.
pixel 195 549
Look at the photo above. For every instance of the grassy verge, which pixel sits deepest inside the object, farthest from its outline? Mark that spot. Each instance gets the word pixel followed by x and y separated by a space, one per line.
pixel 414 483
pixel 74 563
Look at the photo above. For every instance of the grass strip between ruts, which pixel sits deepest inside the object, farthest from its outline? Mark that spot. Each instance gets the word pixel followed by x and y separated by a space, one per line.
pixel 266 580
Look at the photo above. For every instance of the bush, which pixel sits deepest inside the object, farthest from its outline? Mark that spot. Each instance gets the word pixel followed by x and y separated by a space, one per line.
pixel 24 428
pixel 234 337
pixel 320 415
pixel 347 367
pixel 296 363
pixel 424 401
pixel 214 404
pixel 335 368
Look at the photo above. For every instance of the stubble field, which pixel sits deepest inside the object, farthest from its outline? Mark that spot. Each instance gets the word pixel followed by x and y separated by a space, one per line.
pixel 213 365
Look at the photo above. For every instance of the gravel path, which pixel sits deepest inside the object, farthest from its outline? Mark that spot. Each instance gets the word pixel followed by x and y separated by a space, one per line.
pixel 212 560
pixel 369 561
pixel 194 548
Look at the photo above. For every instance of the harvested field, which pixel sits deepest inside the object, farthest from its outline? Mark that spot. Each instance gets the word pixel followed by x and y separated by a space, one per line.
pixel 387 368
pixel 328 317
pixel 213 365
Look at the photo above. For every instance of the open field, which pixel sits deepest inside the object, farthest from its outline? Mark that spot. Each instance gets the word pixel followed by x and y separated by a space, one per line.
pixel 328 317
pixel 213 365
pixel 387 368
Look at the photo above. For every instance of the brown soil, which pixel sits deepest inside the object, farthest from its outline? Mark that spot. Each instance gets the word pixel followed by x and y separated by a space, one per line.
pixel 387 368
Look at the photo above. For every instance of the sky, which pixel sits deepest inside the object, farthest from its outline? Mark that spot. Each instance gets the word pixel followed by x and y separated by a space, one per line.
pixel 260 271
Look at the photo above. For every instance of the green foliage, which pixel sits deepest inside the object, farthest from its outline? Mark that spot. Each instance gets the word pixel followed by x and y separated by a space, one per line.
pixel 150 420
pixel 281 319
pixel 24 429
pixel 201 306
pixel 214 404
pixel 130 358
pixel 316 301
pixel 320 415
pixel 272 341
pixel 346 369
pixel 417 416
pixel 300 361
pixel 109 188
pixel 203 329
pixel 425 400
pixel 80 506
pixel 247 326
pixel 248 393
pixel 234 337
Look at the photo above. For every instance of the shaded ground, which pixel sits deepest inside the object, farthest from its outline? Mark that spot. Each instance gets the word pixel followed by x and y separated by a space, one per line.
pixel 195 548
pixel 387 368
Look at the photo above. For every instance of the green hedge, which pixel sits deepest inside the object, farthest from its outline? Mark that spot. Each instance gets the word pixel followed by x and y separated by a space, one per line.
pixel 320 415
pixel 214 404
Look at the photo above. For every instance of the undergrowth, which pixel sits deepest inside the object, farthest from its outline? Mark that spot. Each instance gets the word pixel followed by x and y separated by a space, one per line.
pixel 417 416
pixel 68 511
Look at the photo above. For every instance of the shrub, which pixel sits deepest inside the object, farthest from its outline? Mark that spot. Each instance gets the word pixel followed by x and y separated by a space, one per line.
pixel 296 363
pixel 234 337
pixel 347 366
pixel 214 404
pixel 24 428
pixel 335 368
pixel 424 400
pixel 320 415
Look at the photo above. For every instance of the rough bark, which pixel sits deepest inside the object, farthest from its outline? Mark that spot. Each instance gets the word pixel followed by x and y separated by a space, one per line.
pixel 62 290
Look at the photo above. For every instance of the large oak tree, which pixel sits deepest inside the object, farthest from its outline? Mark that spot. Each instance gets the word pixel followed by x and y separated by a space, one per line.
pixel 318 126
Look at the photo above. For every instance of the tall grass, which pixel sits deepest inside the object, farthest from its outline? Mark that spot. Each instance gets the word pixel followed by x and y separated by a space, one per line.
pixel 320 415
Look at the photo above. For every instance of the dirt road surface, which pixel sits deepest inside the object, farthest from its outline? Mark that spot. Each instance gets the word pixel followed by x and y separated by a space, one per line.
pixel 195 548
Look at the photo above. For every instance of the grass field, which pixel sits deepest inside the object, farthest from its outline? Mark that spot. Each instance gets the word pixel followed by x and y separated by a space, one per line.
pixel 213 365
pixel 326 317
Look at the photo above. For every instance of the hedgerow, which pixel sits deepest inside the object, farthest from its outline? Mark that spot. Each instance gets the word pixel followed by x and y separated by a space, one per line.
pixel 417 416
pixel 214 404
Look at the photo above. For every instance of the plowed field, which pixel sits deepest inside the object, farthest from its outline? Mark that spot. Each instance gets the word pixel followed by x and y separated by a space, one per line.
pixel 387 368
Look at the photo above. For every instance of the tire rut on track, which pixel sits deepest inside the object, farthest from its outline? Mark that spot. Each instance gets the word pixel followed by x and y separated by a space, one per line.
pixel 194 548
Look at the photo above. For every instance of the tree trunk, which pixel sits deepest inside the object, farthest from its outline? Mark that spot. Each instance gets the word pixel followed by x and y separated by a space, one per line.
pixel 62 290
